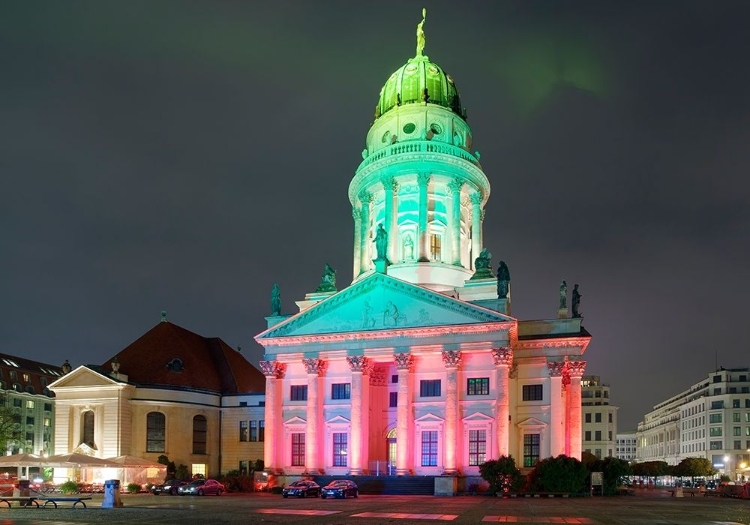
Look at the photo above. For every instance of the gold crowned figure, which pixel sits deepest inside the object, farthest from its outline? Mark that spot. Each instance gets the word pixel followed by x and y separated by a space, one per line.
pixel 420 33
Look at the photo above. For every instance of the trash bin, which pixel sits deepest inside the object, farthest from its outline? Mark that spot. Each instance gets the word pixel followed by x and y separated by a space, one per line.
pixel 111 494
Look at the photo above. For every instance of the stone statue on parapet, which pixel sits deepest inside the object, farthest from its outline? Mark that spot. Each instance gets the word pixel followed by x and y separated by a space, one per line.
pixel 563 295
pixel 275 300
pixel 503 280
pixel 483 266
pixel 381 243
pixel 328 281
pixel 420 33
pixel 576 301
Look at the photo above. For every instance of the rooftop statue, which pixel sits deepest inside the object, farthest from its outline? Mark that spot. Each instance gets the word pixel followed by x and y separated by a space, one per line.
pixel 503 280
pixel 483 265
pixel 576 301
pixel 381 243
pixel 328 281
pixel 563 295
pixel 275 300
pixel 420 33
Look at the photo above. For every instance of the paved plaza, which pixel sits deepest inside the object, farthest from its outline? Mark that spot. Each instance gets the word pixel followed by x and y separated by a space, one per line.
pixel 645 508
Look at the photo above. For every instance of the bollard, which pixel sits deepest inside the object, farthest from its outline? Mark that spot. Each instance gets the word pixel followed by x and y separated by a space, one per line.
pixel 111 494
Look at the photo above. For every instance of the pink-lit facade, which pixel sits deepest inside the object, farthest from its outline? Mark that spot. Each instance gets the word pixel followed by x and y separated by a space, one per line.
pixel 418 367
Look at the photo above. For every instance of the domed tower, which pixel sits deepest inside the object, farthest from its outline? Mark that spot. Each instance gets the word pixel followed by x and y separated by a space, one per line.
pixel 419 180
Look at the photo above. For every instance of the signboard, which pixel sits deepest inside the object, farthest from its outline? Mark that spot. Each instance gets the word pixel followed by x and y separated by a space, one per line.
pixel 597 478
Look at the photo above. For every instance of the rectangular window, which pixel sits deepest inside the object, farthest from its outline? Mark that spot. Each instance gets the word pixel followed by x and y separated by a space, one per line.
pixel 29 420
pixel 532 393
pixel 714 418
pixel 429 388
pixel 298 449
pixel 435 247
pixel 200 435
pixel 253 431
pixel 714 431
pixel 339 449
pixel 29 404
pixel 155 432
pixel 598 417
pixel 429 448
pixel 394 378
pixel 17 403
pixel 735 403
pixel 747 417
pixel 48 407
pixel 392 399
pixel 478 386
pixel 341 391
pixel 610 417
pixel 736 417
pixel 477 447
pixel 244 468
pixel 737 431
pixel 587 436
pixel 717 405
pixel 530 449
pixel 243 431
pixel 588 417
pixel 610 435
pixel 262 430
pixel 598 435
pixel 298 393
pixel 717 391
pixel 47 422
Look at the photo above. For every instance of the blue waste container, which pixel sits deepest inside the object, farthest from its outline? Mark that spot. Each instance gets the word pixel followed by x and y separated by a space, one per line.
pixel 111 494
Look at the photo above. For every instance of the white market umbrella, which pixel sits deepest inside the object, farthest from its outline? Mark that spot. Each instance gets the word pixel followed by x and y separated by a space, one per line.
pixel 21 460
pixel 76 460
pixel 127 461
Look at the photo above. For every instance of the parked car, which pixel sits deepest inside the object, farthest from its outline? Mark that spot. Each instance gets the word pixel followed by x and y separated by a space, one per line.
pixel 340 488
pixel 200 487
pixel 302 489
pixel 168 487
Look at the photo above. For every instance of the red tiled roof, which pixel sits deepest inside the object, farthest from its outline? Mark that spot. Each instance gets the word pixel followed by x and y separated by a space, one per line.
pixel 170 356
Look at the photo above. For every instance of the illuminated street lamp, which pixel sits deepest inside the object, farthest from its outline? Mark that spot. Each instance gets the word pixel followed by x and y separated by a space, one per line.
pixel 726 467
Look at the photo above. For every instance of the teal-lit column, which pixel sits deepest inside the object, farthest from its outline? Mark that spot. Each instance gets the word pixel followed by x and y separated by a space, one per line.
pixel 454 189
pixel 476 226
pixel 357 216
pixel 364 246
pixel 424 247
pixel 404 363
pixel 391 214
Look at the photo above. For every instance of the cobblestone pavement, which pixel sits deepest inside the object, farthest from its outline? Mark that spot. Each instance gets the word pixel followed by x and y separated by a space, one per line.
pixel 645 508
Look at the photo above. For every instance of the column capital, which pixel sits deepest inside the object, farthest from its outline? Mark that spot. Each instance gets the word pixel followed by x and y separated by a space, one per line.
pixel 556 368
pixel 423 178
pixel 454 186
pixel 404 361
pixel 576 368
pixel 359 363
pixel 389 183
pixel 451 358
pixel 502 356
pixel 272 369
pixel 365 197
pixel 476 198
pixel 356 214
pixel 314 366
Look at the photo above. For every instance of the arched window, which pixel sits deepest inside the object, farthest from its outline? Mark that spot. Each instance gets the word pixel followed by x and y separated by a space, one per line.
pixel 200 429
pixel 87 430
pixel 155 425
pixel 30 389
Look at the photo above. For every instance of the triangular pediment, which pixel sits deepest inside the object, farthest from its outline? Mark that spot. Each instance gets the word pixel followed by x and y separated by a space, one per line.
pixel 83 377
pixel 382 303
pixel 532 422
pixel 429 418
pixel 478 417
pixel 296 420
pixel 338 420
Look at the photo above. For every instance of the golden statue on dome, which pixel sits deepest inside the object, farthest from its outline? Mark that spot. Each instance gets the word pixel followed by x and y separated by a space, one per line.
pixel 420 33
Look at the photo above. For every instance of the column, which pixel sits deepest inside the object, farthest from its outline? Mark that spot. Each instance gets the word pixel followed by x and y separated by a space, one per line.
pixel 357 216
pixel 575 370
pixel 503 358
pixel 476 226
pixel 391 216
pixel 364 254
pixel 313 450
pixel 424 234
pixel 273 370
pixel 404 363
pixel 454 190
pixel 358 366
pixel 451 359
pixel 557 409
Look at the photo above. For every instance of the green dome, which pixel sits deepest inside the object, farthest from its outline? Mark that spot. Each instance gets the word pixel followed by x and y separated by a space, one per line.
pixel 419 81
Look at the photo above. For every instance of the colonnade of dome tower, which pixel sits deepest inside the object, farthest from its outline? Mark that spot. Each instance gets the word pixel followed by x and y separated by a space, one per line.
pixel 419 180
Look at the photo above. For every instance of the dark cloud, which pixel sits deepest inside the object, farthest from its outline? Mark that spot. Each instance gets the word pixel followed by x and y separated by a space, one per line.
pixel 187 155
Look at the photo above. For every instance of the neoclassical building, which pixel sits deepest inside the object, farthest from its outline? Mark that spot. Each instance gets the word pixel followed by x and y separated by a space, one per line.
pixel 418 366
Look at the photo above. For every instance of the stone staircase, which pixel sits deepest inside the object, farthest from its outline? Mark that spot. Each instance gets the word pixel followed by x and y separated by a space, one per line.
pixel 412 485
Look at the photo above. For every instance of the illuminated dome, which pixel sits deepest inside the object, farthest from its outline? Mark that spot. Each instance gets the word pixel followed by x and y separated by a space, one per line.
pixel 419 81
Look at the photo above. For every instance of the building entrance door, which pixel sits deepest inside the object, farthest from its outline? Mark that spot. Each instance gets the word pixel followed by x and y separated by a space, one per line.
pixel 391 447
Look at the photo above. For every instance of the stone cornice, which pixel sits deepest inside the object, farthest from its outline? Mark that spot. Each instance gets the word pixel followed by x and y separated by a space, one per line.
pixel 557 342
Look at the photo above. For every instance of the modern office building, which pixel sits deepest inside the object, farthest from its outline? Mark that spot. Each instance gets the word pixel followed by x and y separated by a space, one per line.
pixel 24 384
pixel 626 445
pixel 711 420
pixel 599 418
pixel 418 367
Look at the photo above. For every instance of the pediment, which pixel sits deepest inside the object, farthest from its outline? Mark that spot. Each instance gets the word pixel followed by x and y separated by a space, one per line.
pixel 382 303
pixel 478 417
pixel 429 418
pixel 83 377
pixel 338 420
pixel 531 422
pixel 296 420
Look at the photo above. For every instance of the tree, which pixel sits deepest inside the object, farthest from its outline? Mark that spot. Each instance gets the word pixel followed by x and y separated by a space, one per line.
pixel 651 469
pixel 560 474
pixel 10 425
pixel 692 467
pixel 502 474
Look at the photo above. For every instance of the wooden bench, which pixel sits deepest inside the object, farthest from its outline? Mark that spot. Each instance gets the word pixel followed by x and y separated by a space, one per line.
pixel 75 499
pixel 26 501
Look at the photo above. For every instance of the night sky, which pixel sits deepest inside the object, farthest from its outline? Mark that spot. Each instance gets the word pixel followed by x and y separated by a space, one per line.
pixel 184 156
